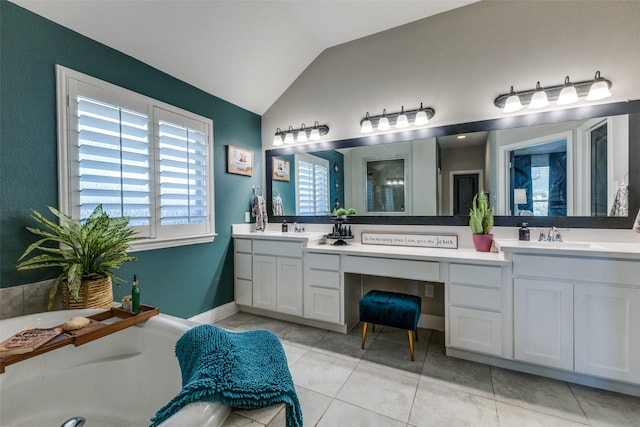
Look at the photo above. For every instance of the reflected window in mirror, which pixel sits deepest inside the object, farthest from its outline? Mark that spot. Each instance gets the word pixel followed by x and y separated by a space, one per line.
pixel 385 186
pixel 312 185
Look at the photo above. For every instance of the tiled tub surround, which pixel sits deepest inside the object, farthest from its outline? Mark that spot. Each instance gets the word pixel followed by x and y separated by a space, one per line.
pixel 479 295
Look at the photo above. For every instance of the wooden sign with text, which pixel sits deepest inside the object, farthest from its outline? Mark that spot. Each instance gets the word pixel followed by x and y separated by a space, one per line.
pixel 443 241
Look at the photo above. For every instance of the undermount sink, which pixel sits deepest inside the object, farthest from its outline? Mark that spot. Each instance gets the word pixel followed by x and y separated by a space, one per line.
pixel 565 245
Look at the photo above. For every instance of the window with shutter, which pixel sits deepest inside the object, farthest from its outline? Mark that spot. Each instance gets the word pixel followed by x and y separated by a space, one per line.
pixel 136 156
pixel 312 185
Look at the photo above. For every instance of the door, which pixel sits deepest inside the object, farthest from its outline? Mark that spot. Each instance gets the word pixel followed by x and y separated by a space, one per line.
pixel 289 286
pixel 543 322
pixel 465 186
pixel 607 336
pixel 264 282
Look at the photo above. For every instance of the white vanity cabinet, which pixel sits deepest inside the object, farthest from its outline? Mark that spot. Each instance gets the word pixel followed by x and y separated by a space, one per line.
pixel 476 298
pixel 578 313
pixel 277 276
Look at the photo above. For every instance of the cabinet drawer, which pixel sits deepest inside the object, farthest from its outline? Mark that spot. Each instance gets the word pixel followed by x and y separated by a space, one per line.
pixel 242 245
pixel 243 266
pixel 476 330
pixel 322 304
pixel 322 278
pixel 323 261
pixel 475 275
pixel 243 292
pixel 278 248
pixel 577 269
pixel 472 296
pixel 390 267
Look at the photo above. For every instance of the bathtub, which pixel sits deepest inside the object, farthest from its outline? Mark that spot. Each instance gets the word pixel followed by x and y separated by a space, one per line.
pixel 118 380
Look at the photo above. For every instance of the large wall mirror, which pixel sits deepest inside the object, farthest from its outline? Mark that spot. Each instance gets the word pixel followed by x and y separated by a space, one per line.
pixel 569 168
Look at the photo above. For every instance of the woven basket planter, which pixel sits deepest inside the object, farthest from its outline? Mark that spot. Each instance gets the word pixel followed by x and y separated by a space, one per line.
pixel 96 293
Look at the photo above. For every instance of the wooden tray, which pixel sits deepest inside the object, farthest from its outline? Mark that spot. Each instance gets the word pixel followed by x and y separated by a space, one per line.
pixel 95 330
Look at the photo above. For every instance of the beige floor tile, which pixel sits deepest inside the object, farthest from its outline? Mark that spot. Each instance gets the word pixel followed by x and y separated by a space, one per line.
pixel 437 405
pixel 301 334
pixel 313 405
pixel 396 356
pixel 342 414
pixel 321 373
pixel 516 416
pixel 539 394
pixel 464 375
pixel 380 391
pixel 605 408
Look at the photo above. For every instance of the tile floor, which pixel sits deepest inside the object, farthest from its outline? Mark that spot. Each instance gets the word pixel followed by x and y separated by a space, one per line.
pixel 340 385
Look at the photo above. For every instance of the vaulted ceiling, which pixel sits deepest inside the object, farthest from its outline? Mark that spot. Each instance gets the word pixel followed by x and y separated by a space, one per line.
pixel 247 52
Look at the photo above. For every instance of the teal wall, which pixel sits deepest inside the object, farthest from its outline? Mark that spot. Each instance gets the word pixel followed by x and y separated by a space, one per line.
pixel 182 281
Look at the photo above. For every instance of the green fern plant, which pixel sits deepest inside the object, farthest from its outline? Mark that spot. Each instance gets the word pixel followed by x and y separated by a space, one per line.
pixel 480 216
pixel 89 250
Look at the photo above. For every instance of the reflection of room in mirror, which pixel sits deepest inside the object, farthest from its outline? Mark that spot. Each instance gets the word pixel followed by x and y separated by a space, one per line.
pixel 593 183
pixel 385 186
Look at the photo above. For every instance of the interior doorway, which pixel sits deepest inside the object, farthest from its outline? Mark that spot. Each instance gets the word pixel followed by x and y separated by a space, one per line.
pixel 464 185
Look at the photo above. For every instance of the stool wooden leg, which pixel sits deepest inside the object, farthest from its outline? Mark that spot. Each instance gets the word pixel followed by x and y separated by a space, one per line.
pixel 364 333
pixel 411 343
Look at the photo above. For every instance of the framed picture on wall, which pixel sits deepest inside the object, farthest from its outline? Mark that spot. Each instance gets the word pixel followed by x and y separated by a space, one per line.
pixel 280 169
pixel 239 160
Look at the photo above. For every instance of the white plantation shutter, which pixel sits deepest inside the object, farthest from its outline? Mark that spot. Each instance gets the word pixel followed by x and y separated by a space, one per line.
pixel 183 170
pixel 136 156
pixel 113 161
pixel 312 185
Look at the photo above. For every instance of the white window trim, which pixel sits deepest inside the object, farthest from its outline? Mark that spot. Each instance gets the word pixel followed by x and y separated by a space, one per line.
pixel 65 199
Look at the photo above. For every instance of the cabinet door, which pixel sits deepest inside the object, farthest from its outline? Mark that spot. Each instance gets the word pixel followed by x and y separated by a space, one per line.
pixel 322 304
pixel 264 282
pixel 607 331
pixel 543 322
pixel 243 292
pixel 476 330
pixel 289 286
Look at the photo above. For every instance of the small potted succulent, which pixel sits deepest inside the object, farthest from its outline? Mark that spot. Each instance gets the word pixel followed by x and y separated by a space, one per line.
pixel 342 213
pixel 481 222
pixel 85 252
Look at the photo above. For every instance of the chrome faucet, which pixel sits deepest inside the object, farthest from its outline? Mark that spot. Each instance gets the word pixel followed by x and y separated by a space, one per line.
pixel 298 228
pixel 74 422
pixel 554 235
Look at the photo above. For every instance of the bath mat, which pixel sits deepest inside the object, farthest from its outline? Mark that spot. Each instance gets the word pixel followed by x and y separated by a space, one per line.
pixel 245 370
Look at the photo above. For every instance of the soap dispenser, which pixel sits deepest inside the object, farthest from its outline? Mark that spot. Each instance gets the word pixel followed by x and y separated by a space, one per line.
pixel 285 226
pixel 524 233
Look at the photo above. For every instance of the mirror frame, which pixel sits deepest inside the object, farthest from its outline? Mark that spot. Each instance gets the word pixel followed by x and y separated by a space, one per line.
pixel 631 107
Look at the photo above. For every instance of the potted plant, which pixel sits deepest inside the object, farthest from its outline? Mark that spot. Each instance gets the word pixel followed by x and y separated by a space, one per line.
pixel 86 254
pixel 342 213
pixel 481 222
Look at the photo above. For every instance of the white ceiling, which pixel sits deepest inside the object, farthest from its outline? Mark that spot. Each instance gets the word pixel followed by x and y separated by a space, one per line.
pixel 247 52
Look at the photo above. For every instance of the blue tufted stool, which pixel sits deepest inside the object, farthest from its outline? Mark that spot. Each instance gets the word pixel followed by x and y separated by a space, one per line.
pixel 391 309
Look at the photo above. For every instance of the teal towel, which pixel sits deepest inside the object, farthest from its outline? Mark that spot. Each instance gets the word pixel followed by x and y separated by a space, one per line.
pixel 245 370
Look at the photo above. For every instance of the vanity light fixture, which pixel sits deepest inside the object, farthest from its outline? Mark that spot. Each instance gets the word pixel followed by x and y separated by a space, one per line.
pixel 302 134
pixel 564 94
pixel 402 119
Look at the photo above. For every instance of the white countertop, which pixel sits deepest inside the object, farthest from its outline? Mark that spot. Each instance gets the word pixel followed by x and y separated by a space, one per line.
pixel 279 235
pixel 407 252
pixel 595 249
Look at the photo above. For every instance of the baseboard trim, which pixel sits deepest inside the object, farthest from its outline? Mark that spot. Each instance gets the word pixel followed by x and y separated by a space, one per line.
pixel 216 314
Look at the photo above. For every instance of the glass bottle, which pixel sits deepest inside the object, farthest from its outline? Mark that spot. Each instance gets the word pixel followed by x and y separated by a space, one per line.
pixel 135 296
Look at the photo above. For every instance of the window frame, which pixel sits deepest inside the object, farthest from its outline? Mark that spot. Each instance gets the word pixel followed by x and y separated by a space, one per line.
pixel 160 236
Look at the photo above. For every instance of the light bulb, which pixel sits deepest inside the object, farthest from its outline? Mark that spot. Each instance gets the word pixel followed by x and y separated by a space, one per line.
pixel 599 89
pixel 366 126
pixel 568 94
pixel 539 98
pixel 315 134
pixel 421 117
pixel 288 138
pixel 277 139
pixel 402 121
pixel 302 134
pixel 383 123
pixel 512 103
